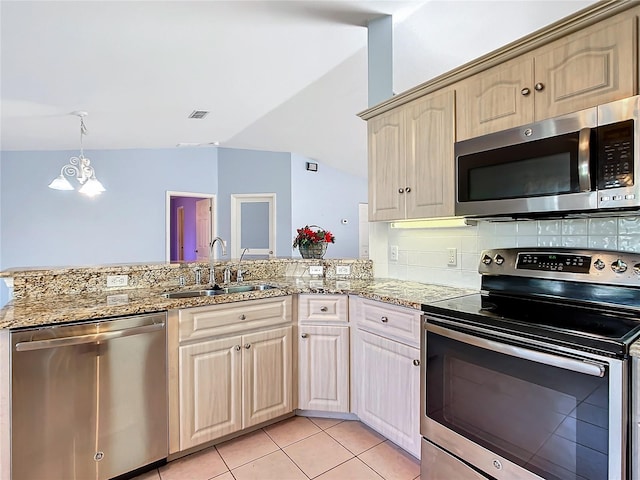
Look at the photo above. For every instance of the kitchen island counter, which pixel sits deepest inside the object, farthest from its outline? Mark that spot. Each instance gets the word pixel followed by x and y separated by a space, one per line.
pixel 56 309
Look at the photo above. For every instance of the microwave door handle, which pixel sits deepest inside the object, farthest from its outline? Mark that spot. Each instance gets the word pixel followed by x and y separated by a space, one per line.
pixel 584 160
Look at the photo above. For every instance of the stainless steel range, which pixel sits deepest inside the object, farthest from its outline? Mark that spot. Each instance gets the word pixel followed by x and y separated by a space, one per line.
pixel 530 378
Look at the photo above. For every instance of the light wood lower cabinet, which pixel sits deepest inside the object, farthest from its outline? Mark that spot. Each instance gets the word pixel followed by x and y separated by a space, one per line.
pixel 323 368
pixel 266 373
pixel 230 384
pixel 230 368
pixel 389 389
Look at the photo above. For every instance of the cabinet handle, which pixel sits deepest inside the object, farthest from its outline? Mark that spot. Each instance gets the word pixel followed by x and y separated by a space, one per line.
pixel 304 335
pixel 247 346
pixel 525 91
pixel 323 309
pixel 401 190
pixel 237 348
pixel 408 189
pixel 416 363
pixel 539 87
pixel 384 319
pixel 243 317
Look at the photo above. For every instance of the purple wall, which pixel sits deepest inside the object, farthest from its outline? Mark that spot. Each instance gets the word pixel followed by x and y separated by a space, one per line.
pixel 189 204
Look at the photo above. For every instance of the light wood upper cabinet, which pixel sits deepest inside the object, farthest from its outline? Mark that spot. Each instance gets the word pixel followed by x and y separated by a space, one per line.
pixel 496 99
pixel 597 65
pixel 590 67
pixel 411 172
pixel 386 165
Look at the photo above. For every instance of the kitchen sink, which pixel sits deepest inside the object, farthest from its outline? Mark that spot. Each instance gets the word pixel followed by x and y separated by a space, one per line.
pixel 218 291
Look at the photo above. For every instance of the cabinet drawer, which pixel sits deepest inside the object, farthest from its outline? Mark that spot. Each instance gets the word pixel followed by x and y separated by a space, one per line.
pixel 203 322
pixel 323 308
pixel 399 323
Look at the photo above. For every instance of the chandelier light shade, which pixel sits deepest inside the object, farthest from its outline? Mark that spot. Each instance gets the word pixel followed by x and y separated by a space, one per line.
pixel 80 168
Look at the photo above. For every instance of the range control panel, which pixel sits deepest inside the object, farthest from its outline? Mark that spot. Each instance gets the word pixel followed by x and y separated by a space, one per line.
pixel 554 262
pixel 594 266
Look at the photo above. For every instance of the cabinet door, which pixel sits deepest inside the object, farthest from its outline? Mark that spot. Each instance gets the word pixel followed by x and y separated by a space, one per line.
pixel 386 166
pixel 323 366
pixel 389 389
pixel 210 390
pixel 594 66
pixel 267 375
pixel 496 99
pixel 429 127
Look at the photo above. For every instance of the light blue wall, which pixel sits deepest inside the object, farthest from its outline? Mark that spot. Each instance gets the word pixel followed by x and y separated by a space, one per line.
pixel 4 293
pixel 253 171
pixel 44 227
pixel 380 59
pixel 324 198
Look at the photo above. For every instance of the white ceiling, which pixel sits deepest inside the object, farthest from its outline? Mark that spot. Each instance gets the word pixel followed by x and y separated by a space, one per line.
pixel 275 75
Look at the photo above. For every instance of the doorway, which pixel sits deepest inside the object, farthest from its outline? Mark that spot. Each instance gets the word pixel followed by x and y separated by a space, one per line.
pixel 188 238
pixel 253 225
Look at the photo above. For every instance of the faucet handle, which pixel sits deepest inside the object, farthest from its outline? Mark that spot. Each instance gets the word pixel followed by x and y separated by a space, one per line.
pixel 240 275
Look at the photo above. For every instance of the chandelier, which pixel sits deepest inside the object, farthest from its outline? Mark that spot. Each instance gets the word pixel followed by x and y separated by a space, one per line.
pixel 80 168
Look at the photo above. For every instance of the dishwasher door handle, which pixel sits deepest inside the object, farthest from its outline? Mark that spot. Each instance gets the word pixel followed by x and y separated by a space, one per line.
pixel 80 339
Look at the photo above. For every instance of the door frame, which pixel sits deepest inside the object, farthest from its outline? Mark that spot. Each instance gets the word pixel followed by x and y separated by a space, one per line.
pixel 167 222
pixel 237 199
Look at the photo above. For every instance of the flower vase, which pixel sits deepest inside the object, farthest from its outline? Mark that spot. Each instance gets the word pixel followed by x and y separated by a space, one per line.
pixel 313 250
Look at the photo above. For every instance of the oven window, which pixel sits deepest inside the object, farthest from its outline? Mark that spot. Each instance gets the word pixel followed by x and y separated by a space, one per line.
pixel 551 421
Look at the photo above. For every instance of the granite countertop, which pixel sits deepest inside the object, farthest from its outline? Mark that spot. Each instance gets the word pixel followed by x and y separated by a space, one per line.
pixel 635 349
pixel 92 306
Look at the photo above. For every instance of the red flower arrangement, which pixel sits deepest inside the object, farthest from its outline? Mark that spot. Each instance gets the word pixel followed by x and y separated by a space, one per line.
pixel 306 236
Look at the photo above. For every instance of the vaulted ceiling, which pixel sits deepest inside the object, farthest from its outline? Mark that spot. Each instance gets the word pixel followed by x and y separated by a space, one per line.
pixel 275 75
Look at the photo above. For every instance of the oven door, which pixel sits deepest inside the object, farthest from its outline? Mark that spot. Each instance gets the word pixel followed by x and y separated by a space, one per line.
pixel 514 411
pixel 542 167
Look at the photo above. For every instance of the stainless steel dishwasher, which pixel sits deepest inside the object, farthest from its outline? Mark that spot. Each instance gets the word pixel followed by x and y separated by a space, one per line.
pixel 89 400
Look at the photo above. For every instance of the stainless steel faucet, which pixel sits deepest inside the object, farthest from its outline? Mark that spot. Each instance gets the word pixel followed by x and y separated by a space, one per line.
pixel 212 272
pixel 240 274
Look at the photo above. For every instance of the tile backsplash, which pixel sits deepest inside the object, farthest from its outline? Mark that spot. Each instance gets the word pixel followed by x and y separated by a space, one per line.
pixel 422 253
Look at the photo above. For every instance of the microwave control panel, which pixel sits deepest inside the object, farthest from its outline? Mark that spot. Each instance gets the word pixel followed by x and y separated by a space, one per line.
pixel 615 159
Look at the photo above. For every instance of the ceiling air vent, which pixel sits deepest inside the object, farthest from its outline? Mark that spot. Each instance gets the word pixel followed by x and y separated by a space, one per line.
pixel 198 114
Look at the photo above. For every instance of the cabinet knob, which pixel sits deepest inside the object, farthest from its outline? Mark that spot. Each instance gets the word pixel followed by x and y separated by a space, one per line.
pixel 237 348
pixel 408 189
pixel 323 309
pixel 243 317
pixel 525 91
pixel 384 319
pixel 539 87
pixel 247 346
pixel 401 190
pixel 416 363
pixel 304 335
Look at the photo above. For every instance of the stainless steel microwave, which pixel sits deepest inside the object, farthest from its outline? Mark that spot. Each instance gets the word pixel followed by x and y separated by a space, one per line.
pixel 582 162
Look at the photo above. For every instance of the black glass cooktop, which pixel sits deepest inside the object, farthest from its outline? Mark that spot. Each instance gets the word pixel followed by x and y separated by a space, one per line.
pixel 601 329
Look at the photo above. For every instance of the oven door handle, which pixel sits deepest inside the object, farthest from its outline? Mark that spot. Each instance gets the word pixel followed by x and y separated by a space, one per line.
pixel 587 366
pixel 584 160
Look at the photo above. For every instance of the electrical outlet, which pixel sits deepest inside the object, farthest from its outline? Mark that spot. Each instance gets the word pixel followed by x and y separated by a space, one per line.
pixel 117 280
pixel 120 299
pixel 316 270
pixel 394 253
pixel 452 256
pixel 343 269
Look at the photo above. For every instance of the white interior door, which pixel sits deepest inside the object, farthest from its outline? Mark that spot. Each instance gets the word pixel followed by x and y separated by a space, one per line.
pixel 253 224
pixel 203 229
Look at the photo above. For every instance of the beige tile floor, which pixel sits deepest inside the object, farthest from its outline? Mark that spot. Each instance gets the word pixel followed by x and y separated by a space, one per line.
pixel 298 448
